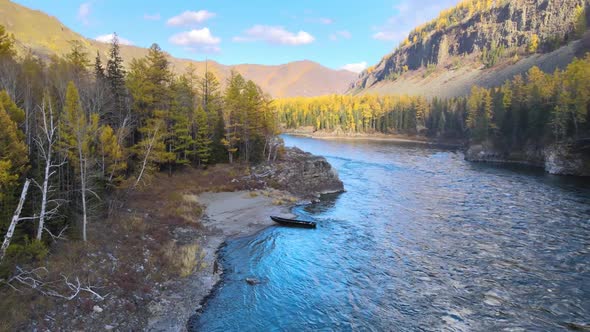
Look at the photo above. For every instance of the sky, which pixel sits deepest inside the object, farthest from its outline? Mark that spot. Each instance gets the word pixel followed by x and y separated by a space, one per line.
pixel 338 34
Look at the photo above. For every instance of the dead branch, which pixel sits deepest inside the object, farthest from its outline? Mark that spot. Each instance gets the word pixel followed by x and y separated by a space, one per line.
pixel 33 280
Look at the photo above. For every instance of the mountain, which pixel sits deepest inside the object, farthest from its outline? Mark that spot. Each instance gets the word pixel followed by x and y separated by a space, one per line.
pixel 480 42
pixel 45 35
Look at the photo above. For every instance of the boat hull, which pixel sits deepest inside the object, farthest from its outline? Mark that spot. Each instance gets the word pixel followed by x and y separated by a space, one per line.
pixel 293 222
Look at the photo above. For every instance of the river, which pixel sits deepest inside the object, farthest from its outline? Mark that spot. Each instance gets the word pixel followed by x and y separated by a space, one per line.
pixel 420 241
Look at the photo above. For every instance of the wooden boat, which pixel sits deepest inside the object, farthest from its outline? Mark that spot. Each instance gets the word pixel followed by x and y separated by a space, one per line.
pixel 293 222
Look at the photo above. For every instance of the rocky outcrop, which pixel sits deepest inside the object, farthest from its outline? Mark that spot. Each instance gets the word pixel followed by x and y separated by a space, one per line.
pixel 509 26
pixel 300 173
pixel 567 159
pixel 558 159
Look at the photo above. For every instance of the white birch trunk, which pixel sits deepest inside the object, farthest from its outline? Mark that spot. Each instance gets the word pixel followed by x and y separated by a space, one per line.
pixel 83 189
pixel 145 159
pixel 44 194
pixel 14 221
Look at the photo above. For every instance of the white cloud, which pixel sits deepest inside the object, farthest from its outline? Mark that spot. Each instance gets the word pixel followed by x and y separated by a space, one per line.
pixel 390 35
pixel 275 35
pixel 407 15
pixel 152 17
pixel 317 20
pixel 355 67
pixel 197 40
pixel 109 39
pixel 345 34
pixel 190 18
pixel 84 13
pixel 325 20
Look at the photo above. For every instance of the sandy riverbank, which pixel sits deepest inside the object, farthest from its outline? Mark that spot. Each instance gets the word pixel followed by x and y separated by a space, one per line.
pixel 226 215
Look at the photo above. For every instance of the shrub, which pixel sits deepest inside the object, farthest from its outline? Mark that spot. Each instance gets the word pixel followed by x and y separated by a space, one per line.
pixel 29 251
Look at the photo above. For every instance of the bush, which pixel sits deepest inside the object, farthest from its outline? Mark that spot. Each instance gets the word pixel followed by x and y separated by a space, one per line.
pixel 29 251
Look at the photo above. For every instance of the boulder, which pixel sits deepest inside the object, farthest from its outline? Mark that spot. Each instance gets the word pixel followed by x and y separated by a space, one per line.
pixel 304 174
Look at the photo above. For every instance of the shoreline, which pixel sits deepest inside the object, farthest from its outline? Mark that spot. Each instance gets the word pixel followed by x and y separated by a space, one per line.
pixel 227 216
pixel 379 138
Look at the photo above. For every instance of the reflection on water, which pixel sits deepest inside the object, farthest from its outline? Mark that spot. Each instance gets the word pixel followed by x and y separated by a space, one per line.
pixel 421 240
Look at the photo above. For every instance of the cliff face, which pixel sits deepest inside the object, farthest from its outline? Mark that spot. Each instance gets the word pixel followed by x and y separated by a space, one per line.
pixel 511 26
pixel 571 158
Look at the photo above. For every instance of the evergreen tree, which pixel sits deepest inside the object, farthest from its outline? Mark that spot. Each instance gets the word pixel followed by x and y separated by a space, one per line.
pixel 99 74
pixel 202 140
pixel 13 163
pixel 115 74
pixel 6 43
pixel 78 58
pixel 181 139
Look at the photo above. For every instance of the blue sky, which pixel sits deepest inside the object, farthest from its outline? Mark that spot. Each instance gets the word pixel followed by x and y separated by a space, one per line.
pixel 337 34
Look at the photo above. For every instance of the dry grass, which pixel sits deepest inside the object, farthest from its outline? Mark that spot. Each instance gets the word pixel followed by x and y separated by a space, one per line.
pixel 128 254
pixel 183 259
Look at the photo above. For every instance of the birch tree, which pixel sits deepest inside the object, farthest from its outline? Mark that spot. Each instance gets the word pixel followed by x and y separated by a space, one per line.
pixel 46 142
pixel 15 220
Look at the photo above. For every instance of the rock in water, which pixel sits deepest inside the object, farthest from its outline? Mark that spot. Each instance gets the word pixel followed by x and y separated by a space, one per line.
pixel 568 159
pixel 304 174
pixel 252 281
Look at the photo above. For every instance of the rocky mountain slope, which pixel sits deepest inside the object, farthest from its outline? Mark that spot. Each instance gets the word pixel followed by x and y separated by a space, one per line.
pixel 45 35
pixel 480 42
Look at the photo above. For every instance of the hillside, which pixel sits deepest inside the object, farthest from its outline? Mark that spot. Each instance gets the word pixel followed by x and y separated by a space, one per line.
pixel 480 42
pixel 45 35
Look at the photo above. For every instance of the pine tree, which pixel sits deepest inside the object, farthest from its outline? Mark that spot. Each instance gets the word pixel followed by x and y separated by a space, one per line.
pixel 115 74
pixel 209 92
pixel 78 58
pixel 159 77
pixel 181 138
pixel 13 162
pixel 99 74
pixel 16 114
pixel 202 140
pixel 6 43
pixel 233 114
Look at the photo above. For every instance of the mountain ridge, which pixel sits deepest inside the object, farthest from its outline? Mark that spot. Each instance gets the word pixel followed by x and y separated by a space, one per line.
pixel 45 35
pixel 464 44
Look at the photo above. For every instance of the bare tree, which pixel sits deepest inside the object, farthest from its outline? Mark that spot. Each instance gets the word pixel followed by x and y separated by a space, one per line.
pixel 46 141
pixel 148 149
pixel 15 219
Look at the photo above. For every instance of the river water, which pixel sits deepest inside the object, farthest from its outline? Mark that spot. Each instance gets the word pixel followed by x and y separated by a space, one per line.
pixel 420 241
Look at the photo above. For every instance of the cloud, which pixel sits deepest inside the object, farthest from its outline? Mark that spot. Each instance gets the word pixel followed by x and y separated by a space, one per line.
pixel 151 17
pixel 355 67
pixel 275 35
pixel 190 18
pixel 390 35
pixel 320 20
pixel 325 20
pixel 109 39
pixel 84 12
pixel 344 34
pixel 407 15
pixel 197 40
